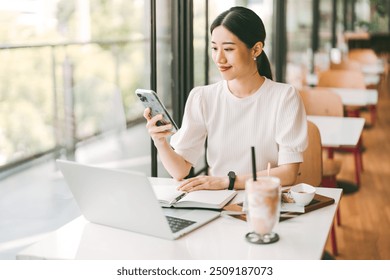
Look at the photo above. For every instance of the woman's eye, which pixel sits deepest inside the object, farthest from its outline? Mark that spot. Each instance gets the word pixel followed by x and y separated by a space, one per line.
pixel 228 50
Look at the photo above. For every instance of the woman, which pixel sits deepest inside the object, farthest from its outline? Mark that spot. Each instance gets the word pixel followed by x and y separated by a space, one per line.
pixel 245 109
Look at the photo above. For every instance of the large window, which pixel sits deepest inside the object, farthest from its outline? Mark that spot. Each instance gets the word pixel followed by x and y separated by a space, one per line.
pixel 372 16
pixel 70 67
pixel 299 38
pixel 69 70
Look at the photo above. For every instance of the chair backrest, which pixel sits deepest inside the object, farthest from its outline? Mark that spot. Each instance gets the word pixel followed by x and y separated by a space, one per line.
pixel 322 102
pixel 363 56
pixel 353 35
pixel 341 79
pixel 310 170
pixel 346 64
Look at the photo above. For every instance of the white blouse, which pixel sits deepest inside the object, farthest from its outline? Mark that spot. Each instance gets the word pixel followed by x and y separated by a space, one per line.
pixel 273 120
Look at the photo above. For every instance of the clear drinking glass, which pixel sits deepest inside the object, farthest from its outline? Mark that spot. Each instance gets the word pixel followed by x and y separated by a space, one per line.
pixel 263 198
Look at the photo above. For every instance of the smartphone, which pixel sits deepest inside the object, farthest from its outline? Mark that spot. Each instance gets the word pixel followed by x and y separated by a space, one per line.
pixel 150 100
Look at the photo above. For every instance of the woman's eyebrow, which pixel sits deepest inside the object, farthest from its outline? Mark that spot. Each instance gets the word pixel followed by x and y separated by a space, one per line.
pixel 224 43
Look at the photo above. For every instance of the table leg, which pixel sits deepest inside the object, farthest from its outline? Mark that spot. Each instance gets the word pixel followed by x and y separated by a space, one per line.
pixel 348 187
pixel 372 109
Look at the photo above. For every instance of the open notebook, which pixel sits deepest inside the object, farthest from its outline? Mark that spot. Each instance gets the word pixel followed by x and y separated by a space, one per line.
pixel 169 196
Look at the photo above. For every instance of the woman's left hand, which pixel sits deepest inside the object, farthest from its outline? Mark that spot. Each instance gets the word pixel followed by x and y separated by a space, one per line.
pixel 204 183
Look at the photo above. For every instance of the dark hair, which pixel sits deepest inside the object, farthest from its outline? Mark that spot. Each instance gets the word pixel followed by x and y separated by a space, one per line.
pixel 249 28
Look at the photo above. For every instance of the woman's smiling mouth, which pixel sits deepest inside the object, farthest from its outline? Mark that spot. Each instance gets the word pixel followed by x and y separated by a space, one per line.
pixel 224 68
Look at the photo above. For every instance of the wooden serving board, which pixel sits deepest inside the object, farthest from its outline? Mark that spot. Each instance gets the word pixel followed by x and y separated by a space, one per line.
pixel 318 202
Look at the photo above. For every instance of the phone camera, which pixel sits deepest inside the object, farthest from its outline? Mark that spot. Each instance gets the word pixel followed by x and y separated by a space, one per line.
pixel 143 98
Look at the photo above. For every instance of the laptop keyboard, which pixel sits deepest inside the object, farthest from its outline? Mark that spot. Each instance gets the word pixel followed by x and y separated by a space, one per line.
pixel 177 224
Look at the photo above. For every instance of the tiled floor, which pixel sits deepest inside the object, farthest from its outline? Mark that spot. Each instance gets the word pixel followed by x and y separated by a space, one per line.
pixel 36 201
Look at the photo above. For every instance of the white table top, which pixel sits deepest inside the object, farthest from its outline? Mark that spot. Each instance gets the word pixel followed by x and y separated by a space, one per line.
pixel 372 72
pixel 302 237
pixel 371 79
pixel 338 131
pixel 357 97
pixel 374 68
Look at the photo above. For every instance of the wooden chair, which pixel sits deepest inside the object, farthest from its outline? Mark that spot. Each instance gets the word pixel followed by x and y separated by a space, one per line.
pixel 310 170
pixel 355 65
pixel 363 56
pixel 347 74
pixel 346 64
pixel 368 57
pixel 347 79
pixel 322 102
pixel 341 79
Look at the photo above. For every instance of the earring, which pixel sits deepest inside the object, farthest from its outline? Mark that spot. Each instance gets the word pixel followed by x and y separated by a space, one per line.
pixel 254 58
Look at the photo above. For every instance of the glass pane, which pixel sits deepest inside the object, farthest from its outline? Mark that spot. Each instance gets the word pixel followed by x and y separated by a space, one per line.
pixel 299 34
pixel 26 103
pixel 200 46
pixel 164 51
pixel 70 68
pixel 372 16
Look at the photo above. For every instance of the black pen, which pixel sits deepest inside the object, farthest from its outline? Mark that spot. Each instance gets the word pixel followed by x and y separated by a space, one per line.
pixel 178 198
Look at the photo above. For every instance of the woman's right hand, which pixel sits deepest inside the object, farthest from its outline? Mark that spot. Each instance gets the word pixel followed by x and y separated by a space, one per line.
pixel 158 133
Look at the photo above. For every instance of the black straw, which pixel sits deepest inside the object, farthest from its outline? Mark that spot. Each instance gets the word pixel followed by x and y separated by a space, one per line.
pixel 254 163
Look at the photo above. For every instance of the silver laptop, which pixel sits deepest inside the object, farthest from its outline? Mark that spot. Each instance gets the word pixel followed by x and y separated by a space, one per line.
pixel 126 200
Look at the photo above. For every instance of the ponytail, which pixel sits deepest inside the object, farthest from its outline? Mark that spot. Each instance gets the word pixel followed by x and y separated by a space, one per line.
pixel 263 66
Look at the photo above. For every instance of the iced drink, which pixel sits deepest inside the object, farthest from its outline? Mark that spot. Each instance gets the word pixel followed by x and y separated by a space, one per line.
pixel 263 203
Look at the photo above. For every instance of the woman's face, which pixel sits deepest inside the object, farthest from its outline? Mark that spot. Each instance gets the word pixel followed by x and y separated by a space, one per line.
pixel 232 57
